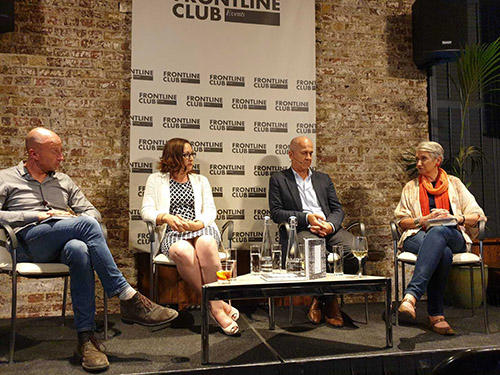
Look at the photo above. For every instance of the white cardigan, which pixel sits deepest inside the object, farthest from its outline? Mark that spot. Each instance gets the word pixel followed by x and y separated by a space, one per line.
pixel 156 199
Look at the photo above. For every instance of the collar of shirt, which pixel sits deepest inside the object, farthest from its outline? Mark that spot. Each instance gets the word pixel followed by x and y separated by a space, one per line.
pixel 23 172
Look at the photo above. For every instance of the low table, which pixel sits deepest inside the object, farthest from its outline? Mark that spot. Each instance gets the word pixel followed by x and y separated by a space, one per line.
pixel 253 286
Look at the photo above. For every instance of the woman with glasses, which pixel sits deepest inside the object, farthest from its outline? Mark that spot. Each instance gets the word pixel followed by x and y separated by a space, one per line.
pixel 181 204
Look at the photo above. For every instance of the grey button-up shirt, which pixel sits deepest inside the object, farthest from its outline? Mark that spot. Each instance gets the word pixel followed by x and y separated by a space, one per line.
pixel 22 197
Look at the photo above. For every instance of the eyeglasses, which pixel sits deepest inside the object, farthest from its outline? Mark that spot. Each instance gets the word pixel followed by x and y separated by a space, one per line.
pixel 188 155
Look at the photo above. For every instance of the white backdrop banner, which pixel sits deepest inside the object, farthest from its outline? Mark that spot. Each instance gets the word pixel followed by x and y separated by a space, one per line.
pixel 234 77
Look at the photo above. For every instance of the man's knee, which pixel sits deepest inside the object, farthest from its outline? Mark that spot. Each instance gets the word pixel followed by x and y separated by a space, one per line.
pixel 75 252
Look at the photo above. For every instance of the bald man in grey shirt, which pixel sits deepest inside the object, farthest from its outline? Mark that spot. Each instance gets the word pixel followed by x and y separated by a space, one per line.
pixel 54 222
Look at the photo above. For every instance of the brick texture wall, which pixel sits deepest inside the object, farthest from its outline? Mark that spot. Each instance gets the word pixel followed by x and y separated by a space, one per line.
pixel 67 67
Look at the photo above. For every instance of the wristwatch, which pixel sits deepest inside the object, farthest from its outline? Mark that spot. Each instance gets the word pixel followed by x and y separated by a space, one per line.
pixel 416 221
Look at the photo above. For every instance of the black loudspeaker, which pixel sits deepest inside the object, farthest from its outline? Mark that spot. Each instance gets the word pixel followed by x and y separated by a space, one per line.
pixel 440 29
pixel 6 16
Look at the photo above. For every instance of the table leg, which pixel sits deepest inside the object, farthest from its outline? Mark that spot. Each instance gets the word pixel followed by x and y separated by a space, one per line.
pixel 204 327
pixel 270 303
pixel 388 317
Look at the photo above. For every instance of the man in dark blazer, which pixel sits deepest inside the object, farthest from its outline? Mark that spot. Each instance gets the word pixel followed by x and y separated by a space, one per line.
pixel 310 196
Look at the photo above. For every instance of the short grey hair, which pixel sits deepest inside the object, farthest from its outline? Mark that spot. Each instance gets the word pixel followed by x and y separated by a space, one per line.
pixel 433 148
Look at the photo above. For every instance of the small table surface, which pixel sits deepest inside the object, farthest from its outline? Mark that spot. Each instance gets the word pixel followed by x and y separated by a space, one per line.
pixel 254 286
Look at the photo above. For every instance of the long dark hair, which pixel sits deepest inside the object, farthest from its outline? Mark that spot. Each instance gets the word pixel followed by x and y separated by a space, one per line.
pixel 171 160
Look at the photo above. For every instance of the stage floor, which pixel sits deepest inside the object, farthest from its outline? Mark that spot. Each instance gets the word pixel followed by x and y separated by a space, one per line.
pixel 45 346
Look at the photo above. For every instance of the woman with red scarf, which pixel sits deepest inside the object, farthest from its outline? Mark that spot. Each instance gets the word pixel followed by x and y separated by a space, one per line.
pixel 434 195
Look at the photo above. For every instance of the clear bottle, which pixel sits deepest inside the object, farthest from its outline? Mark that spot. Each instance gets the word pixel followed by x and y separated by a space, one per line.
pixel 294 259
pixel 266 264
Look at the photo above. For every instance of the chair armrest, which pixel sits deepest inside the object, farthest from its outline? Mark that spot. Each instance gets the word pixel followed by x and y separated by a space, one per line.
pixel 152 238
pixel 11 243
pixel 229 226
pixel 482 230
pixel 353 224
pixel 394 231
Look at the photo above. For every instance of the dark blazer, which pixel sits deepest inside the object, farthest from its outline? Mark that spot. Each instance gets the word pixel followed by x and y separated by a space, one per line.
pixel 284 199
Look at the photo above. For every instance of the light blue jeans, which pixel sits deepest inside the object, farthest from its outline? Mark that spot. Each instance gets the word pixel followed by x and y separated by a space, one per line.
pixel 434 249
pixel 79 243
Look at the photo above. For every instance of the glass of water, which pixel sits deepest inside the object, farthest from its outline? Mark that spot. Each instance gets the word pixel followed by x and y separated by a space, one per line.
pixel 255 259
pixel 338 259
pixel 276 257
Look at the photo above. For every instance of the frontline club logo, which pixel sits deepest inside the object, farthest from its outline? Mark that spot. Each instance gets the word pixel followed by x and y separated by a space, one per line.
pixel 146 144
pixel 143 238
pixel 248 148
pixel 207 146
pixel 181 77
pixel 266 170
pixel 140 190
pixel 305 85
pixel 229 125
pixel 248 192
pixel 135 214
pixel 245 103
pixel 217 191
pixel 227 169
pixel 242 237
pixel 291 106
pixel 204 101
pixel 141 167
pixel 270 127
pixel 196 168
pixel 137 120
pixel 261 12
pixel 270 83
pixel 281 149
pixel 157 98
pixel 306 127
pixel 142 74
pixel 231 214
pixel 181 123
pixel 226 80
pixel 259 214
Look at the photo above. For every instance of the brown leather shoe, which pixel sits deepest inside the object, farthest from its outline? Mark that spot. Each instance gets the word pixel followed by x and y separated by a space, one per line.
pixel 441 326
pixel 143 311
pixel 315 313
pixel 333 315
pixel 91 355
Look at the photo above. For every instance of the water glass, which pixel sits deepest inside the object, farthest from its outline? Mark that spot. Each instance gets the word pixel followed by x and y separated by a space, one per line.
pixel 255 259
pixel 338 259
pixel 276 257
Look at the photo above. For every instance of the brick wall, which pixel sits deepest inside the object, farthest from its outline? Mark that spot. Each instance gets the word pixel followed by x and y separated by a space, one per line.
pixel 67 66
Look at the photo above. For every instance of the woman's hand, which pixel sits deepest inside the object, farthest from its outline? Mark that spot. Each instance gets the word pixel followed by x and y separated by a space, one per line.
pixel 194 225
pixel 436 213
pixel 177 223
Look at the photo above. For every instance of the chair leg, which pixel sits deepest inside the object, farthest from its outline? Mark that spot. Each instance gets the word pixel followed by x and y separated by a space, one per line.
pixel 12 343
pixel 485 303
pixel 366 308
pixel 290 309
pixel 105 300
pixel 396 290
pixel 155 284
pixel 65 294
pixel 471 274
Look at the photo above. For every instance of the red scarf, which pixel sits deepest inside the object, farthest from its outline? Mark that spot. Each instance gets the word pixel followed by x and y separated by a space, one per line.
pixel 440 192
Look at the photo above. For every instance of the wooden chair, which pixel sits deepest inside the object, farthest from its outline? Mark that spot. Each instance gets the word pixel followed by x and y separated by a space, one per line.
pixel 10 266
pixel 461 259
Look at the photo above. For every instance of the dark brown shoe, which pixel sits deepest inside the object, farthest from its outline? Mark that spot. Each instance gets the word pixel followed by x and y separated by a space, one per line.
pixel 91 355
pixel 315 313
pixel 143 311
pixel 333 315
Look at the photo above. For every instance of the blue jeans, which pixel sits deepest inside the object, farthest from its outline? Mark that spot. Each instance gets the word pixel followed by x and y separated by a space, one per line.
pixel 434 249
pixel 79 243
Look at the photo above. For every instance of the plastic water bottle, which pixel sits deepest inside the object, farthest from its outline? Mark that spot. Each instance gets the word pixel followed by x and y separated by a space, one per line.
pixel 266 263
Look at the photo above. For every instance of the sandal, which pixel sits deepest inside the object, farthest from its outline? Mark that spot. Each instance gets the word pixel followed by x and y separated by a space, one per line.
pixel 407 308
pixel 446 330
pixel 234 313
pixel 230 330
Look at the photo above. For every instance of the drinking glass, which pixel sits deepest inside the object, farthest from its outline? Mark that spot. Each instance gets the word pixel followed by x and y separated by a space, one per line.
pixel 276 257
pixel 255 258
pixel 338 259
pixel 225 275
pixel 360 250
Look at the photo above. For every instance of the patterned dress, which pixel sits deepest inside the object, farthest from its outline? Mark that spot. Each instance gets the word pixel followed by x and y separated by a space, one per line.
pixel 182 203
